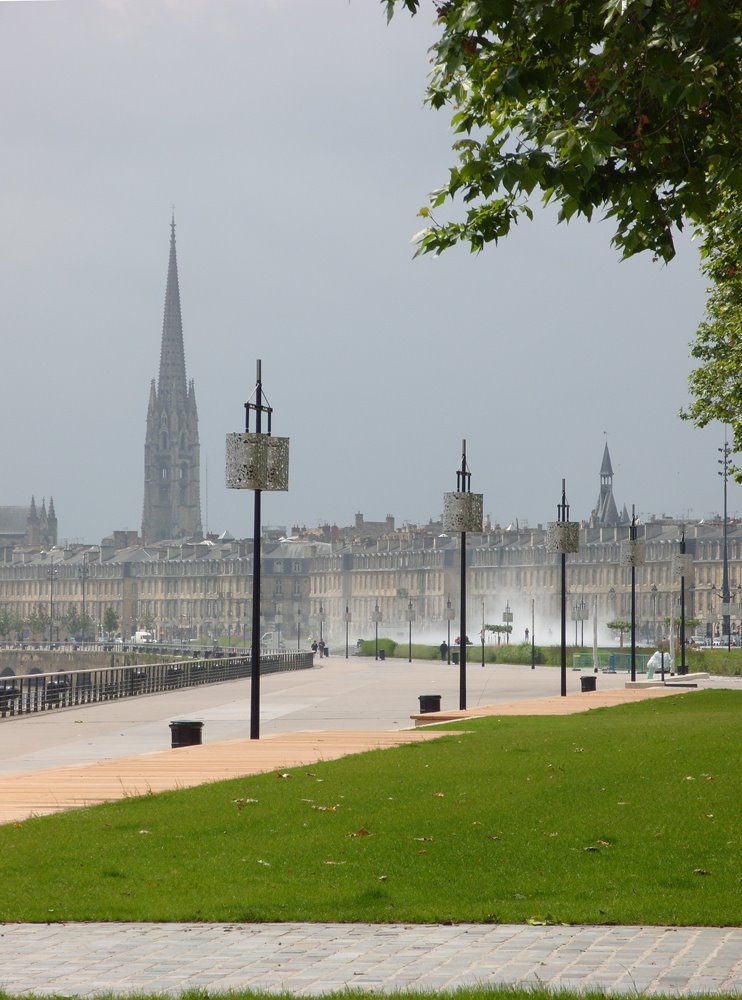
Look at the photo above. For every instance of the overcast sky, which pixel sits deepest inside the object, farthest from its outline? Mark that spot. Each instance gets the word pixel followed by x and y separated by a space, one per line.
pixel 292 139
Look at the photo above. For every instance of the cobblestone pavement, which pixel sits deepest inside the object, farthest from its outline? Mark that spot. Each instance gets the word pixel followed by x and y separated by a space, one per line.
pixel 308 959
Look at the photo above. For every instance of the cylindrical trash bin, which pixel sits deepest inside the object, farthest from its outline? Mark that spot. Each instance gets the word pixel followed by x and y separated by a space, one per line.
pixel 429 703
pixel 185 733
pixel 382 654
pixel 588 682
pixel 455 656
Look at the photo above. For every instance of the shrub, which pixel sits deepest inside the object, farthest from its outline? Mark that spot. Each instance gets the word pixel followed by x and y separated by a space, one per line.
pixel 368 647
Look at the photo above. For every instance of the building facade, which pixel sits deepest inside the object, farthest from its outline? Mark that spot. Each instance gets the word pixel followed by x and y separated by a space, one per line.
pixel 203 590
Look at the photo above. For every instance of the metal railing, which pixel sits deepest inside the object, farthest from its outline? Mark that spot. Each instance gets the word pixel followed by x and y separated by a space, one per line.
pixel 27 693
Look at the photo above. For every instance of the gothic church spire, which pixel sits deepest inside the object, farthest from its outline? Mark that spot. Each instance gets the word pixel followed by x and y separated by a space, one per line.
pixel 172 356
pixel 172 504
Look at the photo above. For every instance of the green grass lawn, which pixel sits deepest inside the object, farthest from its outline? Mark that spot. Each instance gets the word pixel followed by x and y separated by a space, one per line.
pixel 621 815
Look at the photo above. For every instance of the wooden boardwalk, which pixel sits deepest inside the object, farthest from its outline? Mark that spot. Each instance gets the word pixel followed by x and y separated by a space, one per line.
pixel 37 793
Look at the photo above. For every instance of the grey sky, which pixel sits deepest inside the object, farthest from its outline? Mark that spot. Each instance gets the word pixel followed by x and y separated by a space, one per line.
pixel 292 140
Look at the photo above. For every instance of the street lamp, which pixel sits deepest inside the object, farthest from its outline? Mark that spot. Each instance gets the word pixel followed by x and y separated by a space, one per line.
pixel 579 614
pixel 52 573
pixel 683 569
pixel 462 512
pixel 376 618
pixel 449 617
pixel 562 537
pixel 725 595
pixel 321 622
pixel 410 620
pixel 481 634
pixel 507 617
pixel 347 619
pixel 633 557
pixel 298 628
pixel 278 620
pixel 84 573
pixel 257 462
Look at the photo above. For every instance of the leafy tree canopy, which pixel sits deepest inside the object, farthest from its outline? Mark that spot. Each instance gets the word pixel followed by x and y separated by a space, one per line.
pixel 631 108
pixel 716 384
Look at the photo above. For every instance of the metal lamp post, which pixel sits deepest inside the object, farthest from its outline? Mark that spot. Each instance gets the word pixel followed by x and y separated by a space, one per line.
pixel 52 574
pixel 563 537
pixel 683 667
pixel 449 617
pixel 725 595
pixel 410 620
pixel 683 567
pixel 278 621
pixel 653 592
pixel 507 617
pixel 321 622
pixel 533 634
pixel 633 556
pixel 347 618
pixel 481 634
pixel 298 629
pixel 462 512
pixel 376 618
pixel 84 573
pixel 257 462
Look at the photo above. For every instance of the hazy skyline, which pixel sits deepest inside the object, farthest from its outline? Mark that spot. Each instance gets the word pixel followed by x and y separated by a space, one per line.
pixel 292 141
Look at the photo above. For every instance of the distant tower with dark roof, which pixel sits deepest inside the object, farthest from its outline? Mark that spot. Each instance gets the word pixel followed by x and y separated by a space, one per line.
pixel 172 497
pixel 606 513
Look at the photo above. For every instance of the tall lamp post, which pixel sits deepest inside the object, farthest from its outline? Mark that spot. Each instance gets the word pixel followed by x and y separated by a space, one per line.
pixel 533 634
pixel 347 618
pixel 725 595
pixel 321 622
pixel 507 617
pixel 683 667
pixel 683 569
pixel 298 629
pixel 462 512
pixel 376 618
pixel 278 621
pixel 410 620
pixel 52 574
pixel 481 634
pixel 84 573
pixel 633 557
pixel 563 537
pixel 450 613
pixel 257 461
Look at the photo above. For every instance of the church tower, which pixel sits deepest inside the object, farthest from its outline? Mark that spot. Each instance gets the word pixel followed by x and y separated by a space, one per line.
pixel 606 513
pixel 172 502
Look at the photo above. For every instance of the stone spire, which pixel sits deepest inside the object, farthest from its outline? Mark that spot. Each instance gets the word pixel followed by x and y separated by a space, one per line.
pixel 172 378
pixel 606 512
pixel 172 504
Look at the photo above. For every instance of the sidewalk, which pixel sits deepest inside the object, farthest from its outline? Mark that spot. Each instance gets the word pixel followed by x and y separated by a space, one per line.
pixel 307 959
pixel 338 708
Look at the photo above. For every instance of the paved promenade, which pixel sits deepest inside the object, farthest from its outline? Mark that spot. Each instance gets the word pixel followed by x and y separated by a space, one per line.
pixel 350 706
pixel 307 959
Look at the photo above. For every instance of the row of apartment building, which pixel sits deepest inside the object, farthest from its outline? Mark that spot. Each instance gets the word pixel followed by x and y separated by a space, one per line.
pixel 403 581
